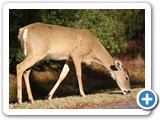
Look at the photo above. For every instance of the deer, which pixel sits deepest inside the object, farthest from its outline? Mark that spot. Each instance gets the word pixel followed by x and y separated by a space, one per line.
pixel 45 41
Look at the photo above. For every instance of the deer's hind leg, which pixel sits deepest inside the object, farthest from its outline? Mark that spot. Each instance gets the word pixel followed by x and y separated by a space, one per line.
pixel 26 79
pixel 29 61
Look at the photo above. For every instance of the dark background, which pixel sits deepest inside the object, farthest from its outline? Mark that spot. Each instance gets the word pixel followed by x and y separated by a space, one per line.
pixel 120 31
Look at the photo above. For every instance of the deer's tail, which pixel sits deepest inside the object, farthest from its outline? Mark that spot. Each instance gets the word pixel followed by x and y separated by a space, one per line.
pixel 22 36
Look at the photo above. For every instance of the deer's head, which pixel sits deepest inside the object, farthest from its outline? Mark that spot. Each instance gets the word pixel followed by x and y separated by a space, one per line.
pixel 121 76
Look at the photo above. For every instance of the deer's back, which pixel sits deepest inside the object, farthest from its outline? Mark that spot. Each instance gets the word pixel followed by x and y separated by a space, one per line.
pixel 55 39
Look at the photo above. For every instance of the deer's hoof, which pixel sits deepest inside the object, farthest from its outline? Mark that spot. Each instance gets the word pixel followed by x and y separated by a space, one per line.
pixel 19 101
pixel 83 95
pixel 31 100
pixel 48 97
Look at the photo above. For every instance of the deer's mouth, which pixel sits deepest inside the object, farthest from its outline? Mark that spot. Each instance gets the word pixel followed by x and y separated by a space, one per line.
pixel 126 92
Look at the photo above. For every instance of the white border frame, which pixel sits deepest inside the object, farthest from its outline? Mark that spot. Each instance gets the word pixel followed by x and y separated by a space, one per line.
pixel 8 6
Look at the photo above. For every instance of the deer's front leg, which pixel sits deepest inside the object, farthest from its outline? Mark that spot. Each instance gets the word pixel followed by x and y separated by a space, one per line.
pixel 63 74
pixel 78 68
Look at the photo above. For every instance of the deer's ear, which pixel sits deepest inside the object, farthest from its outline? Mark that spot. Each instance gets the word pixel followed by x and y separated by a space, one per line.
pixel 118 64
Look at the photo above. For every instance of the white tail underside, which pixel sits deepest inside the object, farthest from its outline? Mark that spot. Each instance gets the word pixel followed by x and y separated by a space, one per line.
pixel 25 39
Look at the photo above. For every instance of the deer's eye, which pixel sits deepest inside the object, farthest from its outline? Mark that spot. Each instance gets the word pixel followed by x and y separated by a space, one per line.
pixel 126 78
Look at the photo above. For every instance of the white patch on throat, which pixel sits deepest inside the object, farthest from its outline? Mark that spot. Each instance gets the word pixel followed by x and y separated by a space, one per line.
pixel 113 76
pixel 24 40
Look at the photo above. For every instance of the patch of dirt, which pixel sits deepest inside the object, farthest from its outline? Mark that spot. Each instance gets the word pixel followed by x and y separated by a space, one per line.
pixel 12 77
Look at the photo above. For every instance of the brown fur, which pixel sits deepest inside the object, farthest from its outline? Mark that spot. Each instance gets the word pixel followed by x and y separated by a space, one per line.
pixel 63 43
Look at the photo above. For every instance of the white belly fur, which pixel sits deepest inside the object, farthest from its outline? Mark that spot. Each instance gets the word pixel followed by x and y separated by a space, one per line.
pixel 53 57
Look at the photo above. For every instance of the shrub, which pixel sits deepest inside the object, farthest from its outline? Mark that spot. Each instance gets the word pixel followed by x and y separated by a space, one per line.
pixel 112 27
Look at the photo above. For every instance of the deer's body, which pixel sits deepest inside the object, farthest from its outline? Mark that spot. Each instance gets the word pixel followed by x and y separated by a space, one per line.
pixel 59 42
pixel 39 41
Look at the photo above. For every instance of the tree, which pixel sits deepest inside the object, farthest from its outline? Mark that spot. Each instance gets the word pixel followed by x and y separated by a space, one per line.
pixel 112 27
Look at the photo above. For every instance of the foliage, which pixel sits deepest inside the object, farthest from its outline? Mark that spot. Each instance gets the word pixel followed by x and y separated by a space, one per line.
pixel 111 27
pixel 15 57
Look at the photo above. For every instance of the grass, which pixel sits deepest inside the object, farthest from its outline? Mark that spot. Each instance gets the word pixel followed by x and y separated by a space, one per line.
pixel 74 102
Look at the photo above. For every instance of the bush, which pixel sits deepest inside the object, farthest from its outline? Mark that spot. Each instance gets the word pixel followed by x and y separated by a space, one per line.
pixel 112 27
pixel 108 30
pixel 15 57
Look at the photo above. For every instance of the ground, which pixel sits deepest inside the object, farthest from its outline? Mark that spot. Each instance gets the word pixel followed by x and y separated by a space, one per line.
pixel 106 100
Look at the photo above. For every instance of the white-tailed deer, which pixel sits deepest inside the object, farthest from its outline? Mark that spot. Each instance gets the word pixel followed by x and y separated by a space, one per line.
pixel 39 41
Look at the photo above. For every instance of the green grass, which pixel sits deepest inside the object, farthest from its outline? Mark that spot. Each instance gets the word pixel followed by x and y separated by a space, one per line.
pixel 74 102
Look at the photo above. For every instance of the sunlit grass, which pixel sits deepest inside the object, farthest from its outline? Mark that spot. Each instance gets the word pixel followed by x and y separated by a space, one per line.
pixel 72 102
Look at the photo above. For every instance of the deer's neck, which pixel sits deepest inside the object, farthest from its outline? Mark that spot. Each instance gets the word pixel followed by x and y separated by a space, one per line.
pixel 102 55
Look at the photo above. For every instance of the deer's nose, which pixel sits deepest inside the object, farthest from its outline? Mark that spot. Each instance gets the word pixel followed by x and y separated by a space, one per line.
pixel 126 92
